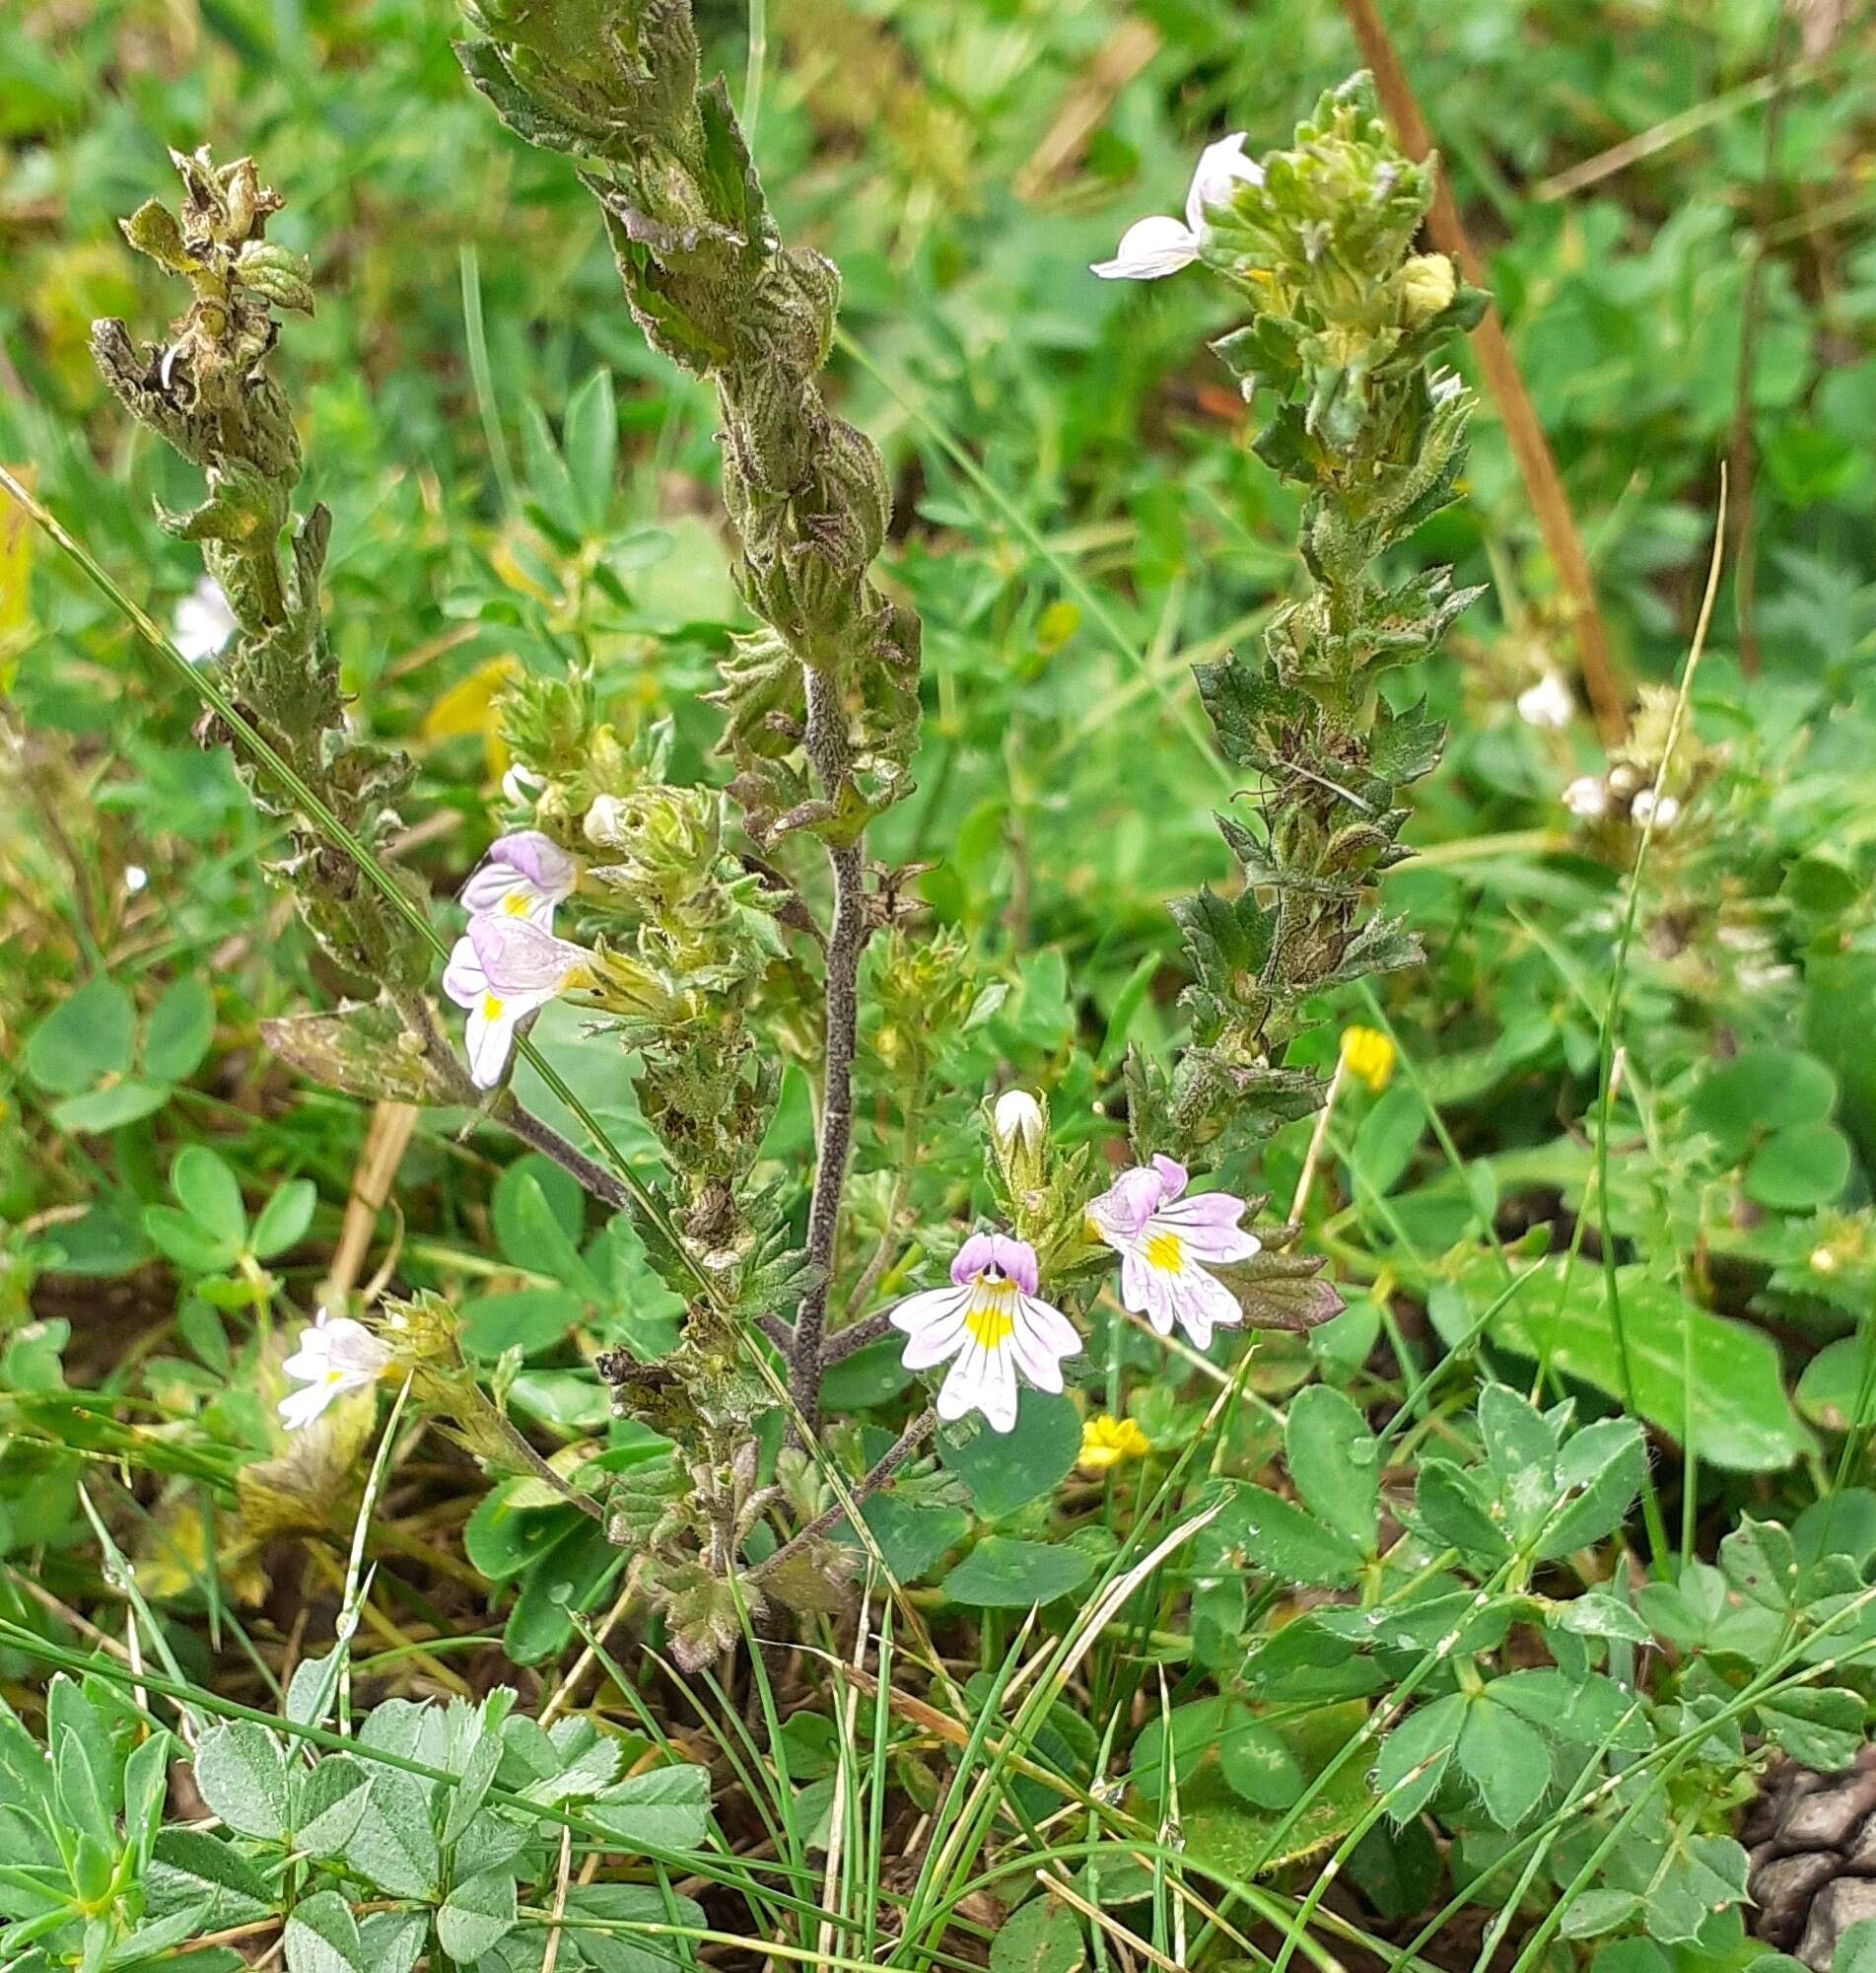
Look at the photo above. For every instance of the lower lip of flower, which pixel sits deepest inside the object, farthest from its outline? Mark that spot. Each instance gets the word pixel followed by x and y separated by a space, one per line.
pixel 989 1321
pixel 1163 1253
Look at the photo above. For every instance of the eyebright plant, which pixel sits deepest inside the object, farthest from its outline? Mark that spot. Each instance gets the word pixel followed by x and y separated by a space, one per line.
pixel 695 907
pixel 1340 360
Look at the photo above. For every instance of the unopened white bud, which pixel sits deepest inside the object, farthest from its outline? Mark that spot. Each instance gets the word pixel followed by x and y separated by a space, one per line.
pixel 1018 1122
pixel 1548 703
pixel 1428 281
pixel 1645 809
pixel 519 785
pixel 605 820
pixel 1587 798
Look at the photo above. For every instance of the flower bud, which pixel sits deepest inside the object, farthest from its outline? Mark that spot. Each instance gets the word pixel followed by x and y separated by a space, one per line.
pixel 1018 1131
pixel 1587 797
pixel 1018 1122
pixel 1428 284
pixel 1548 703
pixel 1369 1056
pixel 605 825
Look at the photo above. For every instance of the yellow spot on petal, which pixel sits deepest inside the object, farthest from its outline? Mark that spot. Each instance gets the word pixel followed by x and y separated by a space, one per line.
pixel 1107 1440
pixel 490 1006
pixel 515 904
pixel 990 1318
pixel 1369 1056
pixel 1164 1253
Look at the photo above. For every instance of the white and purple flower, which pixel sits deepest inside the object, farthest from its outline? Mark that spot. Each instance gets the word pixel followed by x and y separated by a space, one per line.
pixel 525 875
pixel 1162 245
pixel 989 1325
pixel 502 969
pixel 1168 1244
pixel 336 1355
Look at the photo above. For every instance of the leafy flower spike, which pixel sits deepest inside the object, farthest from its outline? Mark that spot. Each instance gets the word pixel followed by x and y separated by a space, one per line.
pixel 336 1355
pixel 502 969
pixel 1150 247
pixel 524 874
pixel 990 1321
pixel 1167 1247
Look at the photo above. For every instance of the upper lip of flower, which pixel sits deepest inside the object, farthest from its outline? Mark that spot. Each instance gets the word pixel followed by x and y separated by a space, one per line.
pixel 520 958
pixel 525 864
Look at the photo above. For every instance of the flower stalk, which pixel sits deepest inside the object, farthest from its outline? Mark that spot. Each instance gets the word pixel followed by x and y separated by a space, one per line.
pixel 1339 360
pixel 821 702
pixel 206 392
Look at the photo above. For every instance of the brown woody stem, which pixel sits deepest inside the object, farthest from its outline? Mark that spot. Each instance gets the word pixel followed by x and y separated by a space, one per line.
pixel 1537 464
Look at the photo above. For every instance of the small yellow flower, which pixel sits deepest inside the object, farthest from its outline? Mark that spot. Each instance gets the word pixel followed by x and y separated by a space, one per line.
pixel 468 706
pixel 1106 1440
pixel 1369 1056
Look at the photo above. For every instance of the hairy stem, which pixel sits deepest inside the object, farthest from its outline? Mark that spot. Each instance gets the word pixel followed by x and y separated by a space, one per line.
pixel 419 1017
pixel 895 1456
pixel 836 1349
pixel 846 939
pixel 594 1177
pixel 827 748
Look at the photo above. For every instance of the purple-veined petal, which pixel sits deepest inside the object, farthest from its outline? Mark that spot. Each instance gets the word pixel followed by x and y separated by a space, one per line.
pixel 497 892
pixel 463 979
pixel 1049 1323
pixel 1128 1204
pixel 352 1348
pixel 524 874
pixel 934 1324
pixel 518 957
pixel 1148 1291
pixel 1207 1227
pixel 539 859
pixel 1172 1176
pixel 980 1379
pixel 1203 1303
pixel 1040 1344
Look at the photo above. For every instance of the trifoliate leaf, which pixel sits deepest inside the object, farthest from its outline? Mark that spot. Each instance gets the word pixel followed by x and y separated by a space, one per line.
pixel 241 1772
pixel 476 1916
